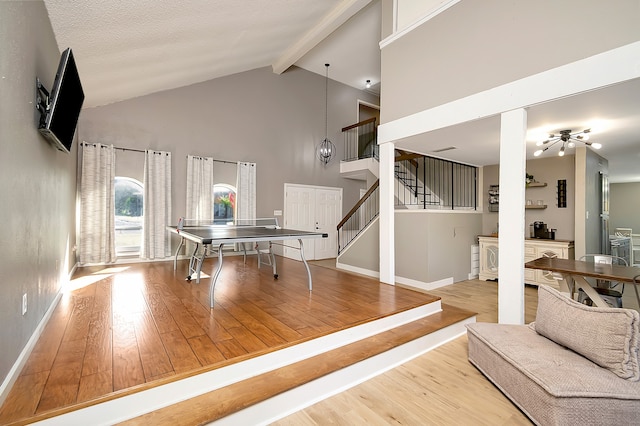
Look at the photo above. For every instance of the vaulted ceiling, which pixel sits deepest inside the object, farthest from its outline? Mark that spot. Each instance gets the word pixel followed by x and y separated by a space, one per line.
pixel 126 49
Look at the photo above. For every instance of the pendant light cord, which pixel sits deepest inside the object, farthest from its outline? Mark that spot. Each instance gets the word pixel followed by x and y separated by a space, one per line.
pixel 326 103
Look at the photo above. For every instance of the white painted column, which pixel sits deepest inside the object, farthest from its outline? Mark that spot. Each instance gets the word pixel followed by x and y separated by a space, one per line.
pixel 511 217
pixel 387 214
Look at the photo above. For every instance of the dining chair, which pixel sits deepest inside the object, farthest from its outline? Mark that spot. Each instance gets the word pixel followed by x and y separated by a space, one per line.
pixel 610 291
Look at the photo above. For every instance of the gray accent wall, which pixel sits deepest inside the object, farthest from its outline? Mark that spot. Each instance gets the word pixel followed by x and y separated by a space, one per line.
pixel 430 246
pixel 477 45
pixel 38 182
pixel 549 171
pixel 273 120
pixel 435 246
pixel 595 165
pixel 625 206
pixel 364 252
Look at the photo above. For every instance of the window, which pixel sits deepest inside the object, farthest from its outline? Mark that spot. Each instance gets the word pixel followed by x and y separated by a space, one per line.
pixel 128 209
pixel 224 202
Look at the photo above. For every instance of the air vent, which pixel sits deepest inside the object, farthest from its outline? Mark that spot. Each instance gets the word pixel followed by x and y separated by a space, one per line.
pixel 449 148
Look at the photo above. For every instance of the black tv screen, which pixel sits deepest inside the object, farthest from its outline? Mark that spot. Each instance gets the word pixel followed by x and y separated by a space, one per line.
pixel 60 121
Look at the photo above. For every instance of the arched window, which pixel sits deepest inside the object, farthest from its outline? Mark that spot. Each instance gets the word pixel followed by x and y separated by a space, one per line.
pixel 224 202
pixel 129 204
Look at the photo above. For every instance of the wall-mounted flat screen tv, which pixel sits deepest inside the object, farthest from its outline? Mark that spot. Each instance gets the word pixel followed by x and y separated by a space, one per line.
pixel 58 123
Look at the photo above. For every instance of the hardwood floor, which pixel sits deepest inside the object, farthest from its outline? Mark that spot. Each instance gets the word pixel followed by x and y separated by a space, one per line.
pixel 128 328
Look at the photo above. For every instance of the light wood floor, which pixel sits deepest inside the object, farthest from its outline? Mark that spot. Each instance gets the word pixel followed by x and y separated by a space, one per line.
pixel 125 329
pixel 437 388
pixel 440 387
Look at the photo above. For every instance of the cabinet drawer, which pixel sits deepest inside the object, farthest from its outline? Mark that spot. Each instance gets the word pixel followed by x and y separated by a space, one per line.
pixel 530 252
pixel 547 278
pixel 550 252
pixel 530 276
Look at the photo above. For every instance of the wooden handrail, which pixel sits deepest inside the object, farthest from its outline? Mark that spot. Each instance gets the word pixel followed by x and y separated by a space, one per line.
pixel 358 204
pixel 410 156
pixel 362 123
pixel 407 156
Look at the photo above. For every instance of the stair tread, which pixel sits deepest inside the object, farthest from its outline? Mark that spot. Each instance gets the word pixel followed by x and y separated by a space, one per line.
pixel 235 397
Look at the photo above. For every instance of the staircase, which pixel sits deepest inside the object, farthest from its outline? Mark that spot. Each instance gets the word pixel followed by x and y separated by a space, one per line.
pixel 421 182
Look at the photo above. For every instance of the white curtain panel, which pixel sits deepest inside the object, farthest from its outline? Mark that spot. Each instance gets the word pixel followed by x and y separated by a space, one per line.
pixel 97 204
pixel 246 191
pixel 199 188
pixel 156 241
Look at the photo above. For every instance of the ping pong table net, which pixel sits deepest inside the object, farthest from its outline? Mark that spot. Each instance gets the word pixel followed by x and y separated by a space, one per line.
pixel 270 222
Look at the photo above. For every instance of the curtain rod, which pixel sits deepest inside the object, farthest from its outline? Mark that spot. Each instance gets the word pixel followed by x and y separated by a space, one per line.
pixel 213 159
pixel 123 149
pixel 115 147
pixel 225 161
pixel 129 149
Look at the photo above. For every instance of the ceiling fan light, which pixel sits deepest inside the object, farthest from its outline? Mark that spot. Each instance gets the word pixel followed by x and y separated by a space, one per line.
pixel 595 145
pixel 571 144
pixel 561 153
pixel 538 152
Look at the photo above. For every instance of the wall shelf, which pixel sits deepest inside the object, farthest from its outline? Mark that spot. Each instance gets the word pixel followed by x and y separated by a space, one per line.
pixel 494 197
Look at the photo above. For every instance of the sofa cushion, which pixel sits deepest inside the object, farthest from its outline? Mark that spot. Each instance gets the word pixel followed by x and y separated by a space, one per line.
pixel 550 383
pixel 606 336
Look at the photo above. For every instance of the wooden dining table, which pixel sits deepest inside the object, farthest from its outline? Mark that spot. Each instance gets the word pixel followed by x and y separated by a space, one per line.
pixel 578 270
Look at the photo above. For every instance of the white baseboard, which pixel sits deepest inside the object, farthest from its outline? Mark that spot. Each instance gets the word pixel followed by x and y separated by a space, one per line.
pixel 422 285
pixel 14 373
pixel 357 270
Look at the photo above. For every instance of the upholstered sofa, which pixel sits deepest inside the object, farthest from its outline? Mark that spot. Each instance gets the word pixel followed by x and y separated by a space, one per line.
pixel 575 365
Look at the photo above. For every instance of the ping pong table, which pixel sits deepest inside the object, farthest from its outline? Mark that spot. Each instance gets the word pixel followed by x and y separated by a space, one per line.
pixel 211 237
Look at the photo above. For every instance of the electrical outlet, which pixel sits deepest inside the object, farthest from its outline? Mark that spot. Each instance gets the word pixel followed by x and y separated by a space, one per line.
pixel 24 303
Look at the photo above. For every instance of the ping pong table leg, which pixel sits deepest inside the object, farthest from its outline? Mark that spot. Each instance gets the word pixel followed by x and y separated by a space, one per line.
pixel 214 278
pixel 200 261
pixel 272 258
pixel 306 265
pixel 192 261
pixel 175 258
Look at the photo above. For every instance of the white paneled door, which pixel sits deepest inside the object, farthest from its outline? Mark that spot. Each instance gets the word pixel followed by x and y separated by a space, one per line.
pixel 313 208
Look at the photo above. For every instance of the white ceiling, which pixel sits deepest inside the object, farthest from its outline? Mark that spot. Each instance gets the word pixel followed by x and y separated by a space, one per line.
pixel 126 49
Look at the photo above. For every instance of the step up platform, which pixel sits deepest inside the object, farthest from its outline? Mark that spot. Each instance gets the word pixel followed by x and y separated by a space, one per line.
pixel 265 388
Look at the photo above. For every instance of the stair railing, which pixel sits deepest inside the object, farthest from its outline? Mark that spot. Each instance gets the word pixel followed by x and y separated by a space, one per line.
pixel 361 140
pixel 362 214
pixel 434 183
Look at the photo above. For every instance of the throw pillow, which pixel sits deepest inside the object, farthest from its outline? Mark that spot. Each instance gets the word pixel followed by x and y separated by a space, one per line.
pixel 606 336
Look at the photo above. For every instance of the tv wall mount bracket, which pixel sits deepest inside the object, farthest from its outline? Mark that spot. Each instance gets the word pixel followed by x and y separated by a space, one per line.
pixel 43 104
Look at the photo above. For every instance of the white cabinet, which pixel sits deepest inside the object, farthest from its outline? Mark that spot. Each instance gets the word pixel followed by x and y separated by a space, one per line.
pixel 488 258
pixel 533 249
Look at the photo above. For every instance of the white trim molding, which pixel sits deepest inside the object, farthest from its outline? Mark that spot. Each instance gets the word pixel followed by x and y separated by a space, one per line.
pixel 604 69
